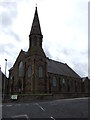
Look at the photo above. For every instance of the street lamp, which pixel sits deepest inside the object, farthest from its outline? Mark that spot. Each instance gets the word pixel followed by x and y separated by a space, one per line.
pixel 5 66
pixel 4 79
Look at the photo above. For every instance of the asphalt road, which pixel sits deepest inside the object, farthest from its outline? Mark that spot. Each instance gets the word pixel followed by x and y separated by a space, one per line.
pixel 64 108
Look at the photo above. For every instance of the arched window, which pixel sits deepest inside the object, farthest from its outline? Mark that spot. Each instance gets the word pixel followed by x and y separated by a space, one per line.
pixel 40 71
pixel 29 71
pixel 54 81
pixel 21 69
pixel 64 84
pixel 63 81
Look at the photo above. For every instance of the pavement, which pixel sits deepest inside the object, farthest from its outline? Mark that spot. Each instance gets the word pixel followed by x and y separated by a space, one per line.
pixel 62 108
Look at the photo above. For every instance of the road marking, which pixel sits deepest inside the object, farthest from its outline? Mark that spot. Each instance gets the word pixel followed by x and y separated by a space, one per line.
pixel 40 106
pixel 52 118
pixel 21 116
pixel 75 99
pixel 69 99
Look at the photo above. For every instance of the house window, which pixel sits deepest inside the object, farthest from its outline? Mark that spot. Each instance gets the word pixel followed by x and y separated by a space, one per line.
pixel 21 69
pixel 40 71
pixel 29 71
pixel 54 81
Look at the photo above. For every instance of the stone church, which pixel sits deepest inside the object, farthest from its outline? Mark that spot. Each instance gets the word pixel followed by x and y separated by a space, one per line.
pixel 34 72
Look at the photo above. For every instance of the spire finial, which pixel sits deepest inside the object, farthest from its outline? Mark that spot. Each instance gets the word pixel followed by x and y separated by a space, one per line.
pixel 36 5
pixel 36 29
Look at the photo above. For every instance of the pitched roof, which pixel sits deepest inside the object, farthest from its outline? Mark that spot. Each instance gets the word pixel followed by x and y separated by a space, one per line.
pixel 36 29
pixel 60 68
pixel 21 52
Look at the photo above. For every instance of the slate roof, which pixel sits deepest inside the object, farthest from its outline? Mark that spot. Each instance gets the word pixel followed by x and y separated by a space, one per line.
pixel 36 29
pixel 56 67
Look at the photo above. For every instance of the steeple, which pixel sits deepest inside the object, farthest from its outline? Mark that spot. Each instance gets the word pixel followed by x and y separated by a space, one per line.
pixel 36 29
pixel 35 37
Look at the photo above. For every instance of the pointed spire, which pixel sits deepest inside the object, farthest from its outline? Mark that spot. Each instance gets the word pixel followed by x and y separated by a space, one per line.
pixel 36 29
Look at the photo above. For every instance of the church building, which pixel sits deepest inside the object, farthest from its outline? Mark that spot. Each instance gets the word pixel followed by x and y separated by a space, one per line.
pixel 33 72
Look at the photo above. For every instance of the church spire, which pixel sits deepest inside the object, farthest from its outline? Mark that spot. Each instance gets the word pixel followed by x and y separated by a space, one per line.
pixel 36 37
pixel 36 29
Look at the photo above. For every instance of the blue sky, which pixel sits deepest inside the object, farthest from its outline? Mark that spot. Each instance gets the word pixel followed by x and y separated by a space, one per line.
pixel 64 25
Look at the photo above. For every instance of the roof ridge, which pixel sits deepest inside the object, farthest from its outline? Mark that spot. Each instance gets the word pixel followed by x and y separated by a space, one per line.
pixel 56 61
pixel 72 69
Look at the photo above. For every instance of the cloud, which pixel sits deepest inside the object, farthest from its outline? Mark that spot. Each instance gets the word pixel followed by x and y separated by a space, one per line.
pixel 12 33
pixel 81 68
pixel 63 25
pixel 8 13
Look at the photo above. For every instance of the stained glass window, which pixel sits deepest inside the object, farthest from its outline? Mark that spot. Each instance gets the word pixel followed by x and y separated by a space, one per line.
pixel 40 71
pixel 21 69
pixel 29 71
pixel 54 81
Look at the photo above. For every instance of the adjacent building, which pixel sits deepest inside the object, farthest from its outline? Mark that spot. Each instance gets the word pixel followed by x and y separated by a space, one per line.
pixel 4 84
pixel 85 86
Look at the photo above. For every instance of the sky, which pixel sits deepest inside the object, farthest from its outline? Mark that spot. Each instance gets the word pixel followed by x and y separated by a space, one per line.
pixel 64 25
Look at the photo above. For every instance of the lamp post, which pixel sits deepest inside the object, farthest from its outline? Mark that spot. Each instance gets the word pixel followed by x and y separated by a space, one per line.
pixel 4 79
pixel 5 66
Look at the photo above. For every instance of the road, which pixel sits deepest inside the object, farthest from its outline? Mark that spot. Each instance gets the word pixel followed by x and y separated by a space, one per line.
pixel 64 108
